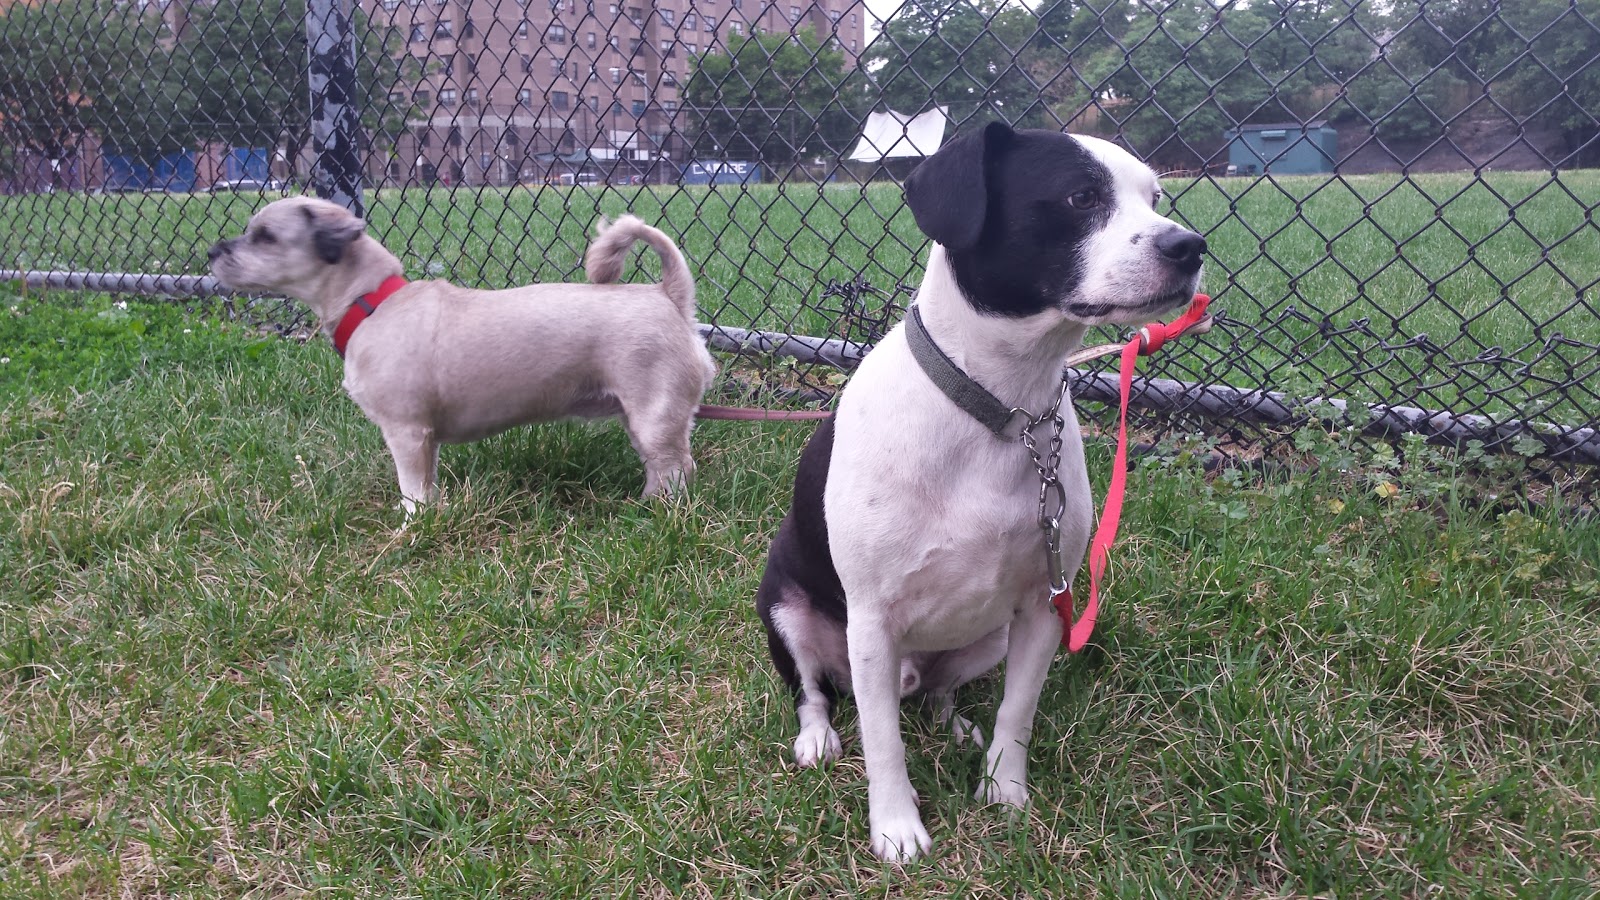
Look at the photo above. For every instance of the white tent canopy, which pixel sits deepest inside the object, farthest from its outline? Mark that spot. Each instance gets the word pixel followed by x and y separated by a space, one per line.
pixel 888 135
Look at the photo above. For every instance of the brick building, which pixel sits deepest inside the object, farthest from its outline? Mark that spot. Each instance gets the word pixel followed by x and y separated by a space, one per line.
pixel 568 90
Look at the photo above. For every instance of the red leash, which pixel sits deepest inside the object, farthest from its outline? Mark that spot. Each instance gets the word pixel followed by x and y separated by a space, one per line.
pixel 1075 633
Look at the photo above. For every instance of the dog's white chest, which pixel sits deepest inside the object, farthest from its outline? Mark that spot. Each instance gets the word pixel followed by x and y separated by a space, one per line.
pixel 933 523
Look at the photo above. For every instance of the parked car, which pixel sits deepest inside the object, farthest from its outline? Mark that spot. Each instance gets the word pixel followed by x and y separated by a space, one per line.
pixel 258 185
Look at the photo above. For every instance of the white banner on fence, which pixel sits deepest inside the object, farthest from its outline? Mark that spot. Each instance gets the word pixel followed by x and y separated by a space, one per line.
pixel 887 135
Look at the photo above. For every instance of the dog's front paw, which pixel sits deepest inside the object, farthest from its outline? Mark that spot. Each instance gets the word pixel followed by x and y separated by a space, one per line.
pixel 1006 791
pixel 899 839
pixel 816 745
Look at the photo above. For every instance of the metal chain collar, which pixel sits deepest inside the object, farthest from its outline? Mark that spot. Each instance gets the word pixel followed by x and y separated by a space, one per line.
pixel 1052 496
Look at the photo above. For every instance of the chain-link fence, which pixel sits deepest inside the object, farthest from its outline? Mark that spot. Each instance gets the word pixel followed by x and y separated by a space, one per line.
pixel 1402 231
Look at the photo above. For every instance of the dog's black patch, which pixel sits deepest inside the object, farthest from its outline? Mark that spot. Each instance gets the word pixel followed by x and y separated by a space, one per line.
pixel 799 560
pixel 999 202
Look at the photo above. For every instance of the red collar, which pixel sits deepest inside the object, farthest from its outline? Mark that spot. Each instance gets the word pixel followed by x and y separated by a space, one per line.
pixel 365 305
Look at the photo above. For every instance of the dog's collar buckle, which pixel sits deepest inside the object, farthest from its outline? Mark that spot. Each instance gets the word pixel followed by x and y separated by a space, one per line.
pixel 365 305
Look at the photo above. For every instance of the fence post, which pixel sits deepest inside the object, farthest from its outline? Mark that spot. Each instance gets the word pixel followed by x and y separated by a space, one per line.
pixel 335 123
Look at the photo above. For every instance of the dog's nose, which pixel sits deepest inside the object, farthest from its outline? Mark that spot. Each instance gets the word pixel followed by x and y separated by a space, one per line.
pixel 1183 247
pixel 216 250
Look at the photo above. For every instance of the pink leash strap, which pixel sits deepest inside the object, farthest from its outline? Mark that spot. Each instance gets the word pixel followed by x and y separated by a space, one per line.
pixel 1075 632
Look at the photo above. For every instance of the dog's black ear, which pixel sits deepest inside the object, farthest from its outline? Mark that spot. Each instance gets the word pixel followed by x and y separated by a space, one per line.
pixel 331 234
pixel 949 193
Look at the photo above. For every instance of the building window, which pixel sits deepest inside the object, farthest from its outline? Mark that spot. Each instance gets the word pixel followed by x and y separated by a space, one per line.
pixel 486 160
pixel 736 28
pixel 638 76
pixel 852 45
pixel 443 29
pixel 555 67
pixel 574 75
pixel 558 99
pixel 833 14
pixel 424 138
pixel 711 25
pixel 633 46
pixel 454 137
pixel 590 40
pixel 397 96
pixel 852 20
pixel 616 75
pixel 693 48
pixel 669 78
pixel 557 34
pixel 472 98
pixel 466 27
pixel 688 21
pixel 594 103
pixel 638 108
pixel 636 15
pixel 668 15
pixel 670 106
pixel 612 8
pixel 447 97
pixel 522 30
pixel 736 4
pixel 666 50
pixel 422 97
pixel 527 64
pixel 524 97
pixel 391 4
pixel 794 14
pixel 418 33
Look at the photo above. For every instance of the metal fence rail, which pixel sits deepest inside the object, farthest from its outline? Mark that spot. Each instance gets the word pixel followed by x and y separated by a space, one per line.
pixel 1402 224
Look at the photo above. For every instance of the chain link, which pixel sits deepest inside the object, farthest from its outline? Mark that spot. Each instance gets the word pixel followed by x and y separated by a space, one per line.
pixel 1052 496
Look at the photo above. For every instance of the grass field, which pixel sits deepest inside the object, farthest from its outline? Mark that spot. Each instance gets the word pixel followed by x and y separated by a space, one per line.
pixel 226 672
pixel 1327 281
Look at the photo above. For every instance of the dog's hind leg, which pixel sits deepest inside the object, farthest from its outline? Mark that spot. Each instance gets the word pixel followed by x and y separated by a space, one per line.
pixel 659 430
pixel 944 672
pixel 800 641
pixel 416 463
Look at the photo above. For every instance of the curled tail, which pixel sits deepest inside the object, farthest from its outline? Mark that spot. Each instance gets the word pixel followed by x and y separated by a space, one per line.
pixel 610 249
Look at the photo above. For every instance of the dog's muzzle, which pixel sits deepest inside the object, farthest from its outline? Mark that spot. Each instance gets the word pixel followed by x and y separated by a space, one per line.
pixel 218 250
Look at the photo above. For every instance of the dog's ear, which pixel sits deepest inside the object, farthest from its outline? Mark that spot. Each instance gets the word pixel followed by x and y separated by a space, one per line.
pixel 330 235
pixel 949 193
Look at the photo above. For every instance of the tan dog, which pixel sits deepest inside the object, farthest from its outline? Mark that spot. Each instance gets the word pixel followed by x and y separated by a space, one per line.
pixel 440 364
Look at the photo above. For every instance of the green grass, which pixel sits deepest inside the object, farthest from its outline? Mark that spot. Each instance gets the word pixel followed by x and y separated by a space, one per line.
pixel 226 671
pixel 1330 282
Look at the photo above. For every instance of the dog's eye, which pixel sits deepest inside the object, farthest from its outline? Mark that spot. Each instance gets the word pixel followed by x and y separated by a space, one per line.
pixel 1155 199
pixel 263 236
pixel 1088 198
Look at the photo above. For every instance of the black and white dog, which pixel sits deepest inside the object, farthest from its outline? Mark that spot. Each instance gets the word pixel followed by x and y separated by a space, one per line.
pixel 912 559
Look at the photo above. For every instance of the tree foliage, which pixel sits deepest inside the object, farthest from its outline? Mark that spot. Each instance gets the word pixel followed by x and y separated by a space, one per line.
pixel 145 85
pixel 1171 76
pixel 779 98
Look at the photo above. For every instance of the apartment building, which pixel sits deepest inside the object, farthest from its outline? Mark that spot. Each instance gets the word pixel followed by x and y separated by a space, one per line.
pixel 569 90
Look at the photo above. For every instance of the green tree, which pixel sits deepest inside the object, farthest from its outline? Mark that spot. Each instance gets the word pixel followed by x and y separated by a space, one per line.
pixel 778 98
pixel 53 58
pixel 244 66
pixel 971 56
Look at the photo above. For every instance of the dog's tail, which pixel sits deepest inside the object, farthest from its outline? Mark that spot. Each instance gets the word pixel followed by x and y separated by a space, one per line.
pixel 610 249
